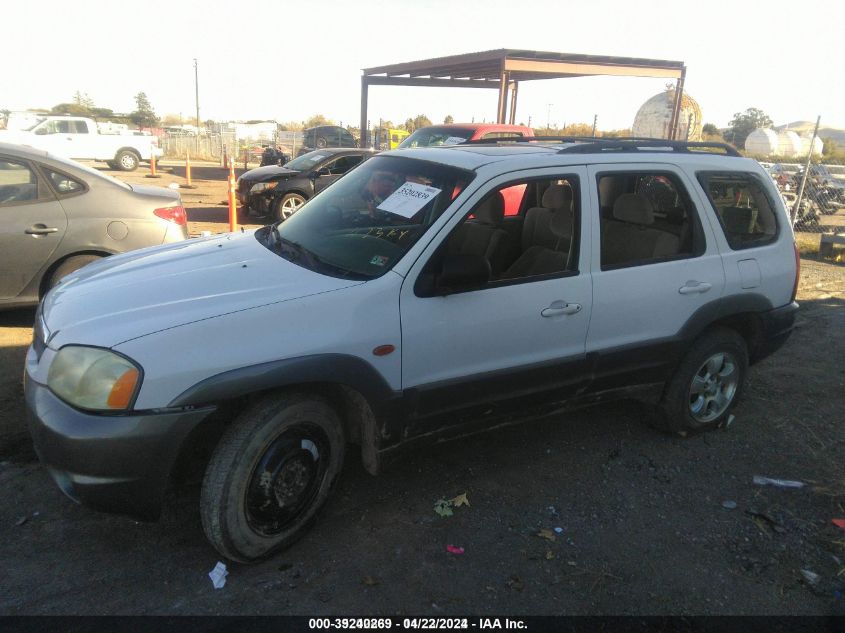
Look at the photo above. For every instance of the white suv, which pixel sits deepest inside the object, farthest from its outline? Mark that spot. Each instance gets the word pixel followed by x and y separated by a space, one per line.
pixel 401 306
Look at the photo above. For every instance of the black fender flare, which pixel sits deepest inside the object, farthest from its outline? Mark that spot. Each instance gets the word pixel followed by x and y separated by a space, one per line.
pixel 338 369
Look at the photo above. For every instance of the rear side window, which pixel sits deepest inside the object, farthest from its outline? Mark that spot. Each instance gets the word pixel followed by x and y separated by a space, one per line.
pixel 744 209
pixel 62 183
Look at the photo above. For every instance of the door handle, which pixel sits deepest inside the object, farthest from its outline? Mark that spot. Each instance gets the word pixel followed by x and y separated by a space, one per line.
pixel 561 307
pixel 40 229
pixel 692 287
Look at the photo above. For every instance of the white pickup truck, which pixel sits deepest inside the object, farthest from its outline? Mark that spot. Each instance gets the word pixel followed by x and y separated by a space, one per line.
pixel 79 138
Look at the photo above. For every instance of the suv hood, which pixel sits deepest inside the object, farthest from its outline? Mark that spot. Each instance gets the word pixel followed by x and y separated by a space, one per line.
pixel 131 295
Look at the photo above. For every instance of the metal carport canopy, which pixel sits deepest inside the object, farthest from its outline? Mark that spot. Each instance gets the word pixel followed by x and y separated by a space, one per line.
pixel 504 68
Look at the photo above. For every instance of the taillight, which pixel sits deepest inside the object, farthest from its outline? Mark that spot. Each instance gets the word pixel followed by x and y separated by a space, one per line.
pixel 173 214
pixel 797 270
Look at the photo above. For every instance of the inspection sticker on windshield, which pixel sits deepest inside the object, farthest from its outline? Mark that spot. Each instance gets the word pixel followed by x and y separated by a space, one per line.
pixel 408 199
pixel 379 260
pixel 454 140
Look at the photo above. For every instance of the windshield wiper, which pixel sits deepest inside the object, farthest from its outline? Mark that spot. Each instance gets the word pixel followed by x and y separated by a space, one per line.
pixel 296 252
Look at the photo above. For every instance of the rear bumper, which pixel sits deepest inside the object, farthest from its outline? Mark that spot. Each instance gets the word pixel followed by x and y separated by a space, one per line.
pixel 118 464
pixel 777 327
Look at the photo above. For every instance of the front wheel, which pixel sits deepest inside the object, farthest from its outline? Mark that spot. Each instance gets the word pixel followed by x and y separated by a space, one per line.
pixel 706 385
pixel 287 206
pixel 270 475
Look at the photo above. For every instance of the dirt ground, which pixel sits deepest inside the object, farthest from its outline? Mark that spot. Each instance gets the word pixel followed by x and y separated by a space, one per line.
pixel 645 523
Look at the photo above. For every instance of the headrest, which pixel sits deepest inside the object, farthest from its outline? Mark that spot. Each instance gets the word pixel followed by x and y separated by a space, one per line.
pixel 492 210
pixel 633 208
pixel 557 197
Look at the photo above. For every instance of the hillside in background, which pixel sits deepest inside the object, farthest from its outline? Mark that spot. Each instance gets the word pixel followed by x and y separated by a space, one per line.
pixel 806 128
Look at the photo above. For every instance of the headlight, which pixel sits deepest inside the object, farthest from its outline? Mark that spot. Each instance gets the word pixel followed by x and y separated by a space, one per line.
pixel 263 186
pixel 94 378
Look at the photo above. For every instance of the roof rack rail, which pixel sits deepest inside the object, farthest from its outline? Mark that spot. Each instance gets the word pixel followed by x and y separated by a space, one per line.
pixel 591 144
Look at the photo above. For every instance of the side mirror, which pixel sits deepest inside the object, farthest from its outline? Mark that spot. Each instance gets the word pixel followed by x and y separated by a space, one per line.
pixel 463 272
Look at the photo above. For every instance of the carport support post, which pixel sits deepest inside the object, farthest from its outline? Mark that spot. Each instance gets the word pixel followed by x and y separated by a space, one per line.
pixel 503 97
pixel 364 89
pixel 676 107
pixel 514 87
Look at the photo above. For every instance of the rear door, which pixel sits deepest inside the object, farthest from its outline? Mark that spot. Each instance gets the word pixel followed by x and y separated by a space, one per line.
pixel 655 263
pixel 32 224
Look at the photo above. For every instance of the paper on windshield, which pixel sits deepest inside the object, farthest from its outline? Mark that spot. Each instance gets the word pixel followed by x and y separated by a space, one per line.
pixel 408 199
pixel 317 157
pixel 454 140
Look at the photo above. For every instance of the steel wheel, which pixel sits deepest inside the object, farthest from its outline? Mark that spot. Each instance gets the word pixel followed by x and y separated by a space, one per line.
pixel 287 477
pixel 713 387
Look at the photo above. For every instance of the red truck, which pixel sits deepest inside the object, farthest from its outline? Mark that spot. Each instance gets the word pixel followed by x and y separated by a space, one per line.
pixel 457 133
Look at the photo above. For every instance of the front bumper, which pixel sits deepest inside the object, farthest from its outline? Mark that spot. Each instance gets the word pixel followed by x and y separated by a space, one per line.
pixel 115 463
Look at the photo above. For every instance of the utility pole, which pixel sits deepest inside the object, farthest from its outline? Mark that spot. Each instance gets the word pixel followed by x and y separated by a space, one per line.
pixel 797 206
pixel 197 94
pixel 595 121
pixel 549 118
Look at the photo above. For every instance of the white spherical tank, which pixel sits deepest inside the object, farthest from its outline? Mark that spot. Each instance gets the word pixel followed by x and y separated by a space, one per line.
pixel 818 146
pixel 655 116
pixel 789 144
pixel 763 142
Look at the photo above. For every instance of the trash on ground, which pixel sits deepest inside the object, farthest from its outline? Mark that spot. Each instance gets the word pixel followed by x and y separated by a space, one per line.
pixel 218 575
pixel 454 550
pixel 547 534
pixel 21 521
pixel 443 507
pixel 460 500
pixel 559 530
pixel 729 505
pixel 840 523
pixel 730 421
pixel 370 581
pixel 780 483
pixel 550 554
pixel 173 185
pixel 811 577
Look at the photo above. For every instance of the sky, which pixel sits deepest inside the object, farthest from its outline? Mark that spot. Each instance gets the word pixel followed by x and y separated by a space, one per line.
pixel 290 60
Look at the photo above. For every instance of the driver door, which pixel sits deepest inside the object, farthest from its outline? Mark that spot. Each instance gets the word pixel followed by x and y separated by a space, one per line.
pixel 331 171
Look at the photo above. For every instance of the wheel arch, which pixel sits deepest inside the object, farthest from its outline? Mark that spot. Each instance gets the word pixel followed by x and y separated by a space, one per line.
pixel 740 313
pixel 354 388
pixel 48 272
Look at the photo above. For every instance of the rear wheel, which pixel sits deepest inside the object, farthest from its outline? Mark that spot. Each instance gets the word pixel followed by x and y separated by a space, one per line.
pixel 706 385
pixel 127 160
pixel 70 265
pixel 270 475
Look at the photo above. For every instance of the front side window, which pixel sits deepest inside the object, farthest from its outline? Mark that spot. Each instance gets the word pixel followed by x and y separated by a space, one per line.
pixel 306 161
pixel 363 224
pixel 545 245
pixel 744 210
pixel 342 165
pixel 18 183
pixel 646 217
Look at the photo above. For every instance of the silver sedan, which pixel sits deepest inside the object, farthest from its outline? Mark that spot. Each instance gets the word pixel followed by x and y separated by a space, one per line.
pixel 57 216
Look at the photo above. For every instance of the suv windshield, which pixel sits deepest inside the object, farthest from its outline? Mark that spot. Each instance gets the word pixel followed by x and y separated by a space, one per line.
pixel 364 223
pixel 306 161
pixel 432 136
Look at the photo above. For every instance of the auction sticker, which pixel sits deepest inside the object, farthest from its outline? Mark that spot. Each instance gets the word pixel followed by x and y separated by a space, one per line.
pixel 408 199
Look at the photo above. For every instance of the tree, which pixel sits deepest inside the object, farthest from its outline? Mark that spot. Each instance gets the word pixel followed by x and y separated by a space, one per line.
pixel 83 100
pixel 317 119
pixel 144 115
pixel 449 119
pixel 710 130
pixel 421 120
pixel 73 109
pixel 744 123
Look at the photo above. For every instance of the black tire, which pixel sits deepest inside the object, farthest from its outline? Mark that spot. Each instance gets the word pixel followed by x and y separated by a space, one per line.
pixel 284 207
pixel 127 160
pixel 243 511
pixel 70 265
pixel 112 164
pixel 686 403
